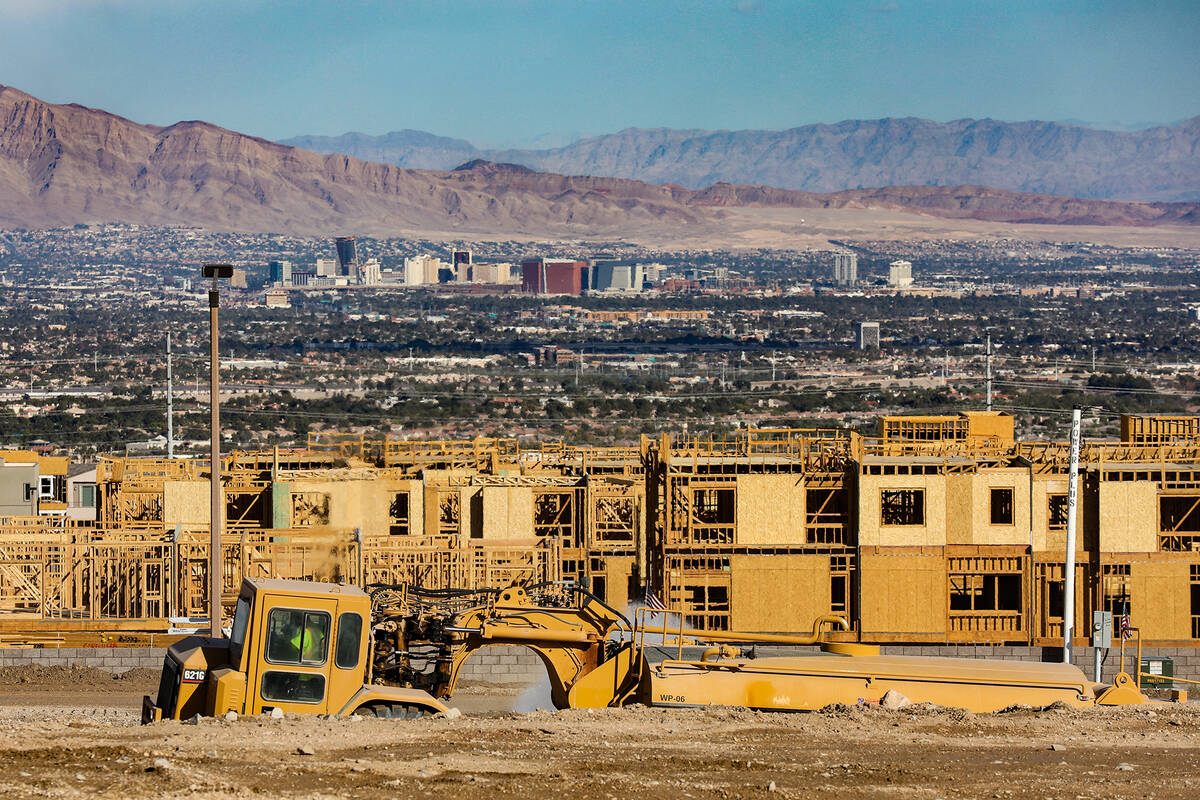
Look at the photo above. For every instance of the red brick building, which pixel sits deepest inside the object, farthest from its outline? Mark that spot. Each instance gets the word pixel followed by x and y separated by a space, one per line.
pixel 554 276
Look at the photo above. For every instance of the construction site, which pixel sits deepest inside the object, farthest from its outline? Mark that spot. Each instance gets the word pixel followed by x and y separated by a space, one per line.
pixel 936 531
pixel 939 535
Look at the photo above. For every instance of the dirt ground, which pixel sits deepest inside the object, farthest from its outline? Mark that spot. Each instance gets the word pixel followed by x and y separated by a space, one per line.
pixel 74 733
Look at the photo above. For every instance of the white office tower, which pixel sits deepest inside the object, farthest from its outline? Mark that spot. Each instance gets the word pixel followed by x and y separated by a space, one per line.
pixel 414 270
pixel 326 267
pixel 369 272
pixel 900 274
pixel 423 269
pixel 845 268
pixel 868 336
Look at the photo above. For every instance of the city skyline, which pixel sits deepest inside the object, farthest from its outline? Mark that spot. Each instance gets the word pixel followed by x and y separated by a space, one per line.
pixel 537 73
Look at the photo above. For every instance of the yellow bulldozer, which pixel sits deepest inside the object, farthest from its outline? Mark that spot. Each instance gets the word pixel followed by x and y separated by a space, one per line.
pixel 398 651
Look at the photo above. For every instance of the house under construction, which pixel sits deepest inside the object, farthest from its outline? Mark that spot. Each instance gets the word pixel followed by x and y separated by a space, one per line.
pixel 936 530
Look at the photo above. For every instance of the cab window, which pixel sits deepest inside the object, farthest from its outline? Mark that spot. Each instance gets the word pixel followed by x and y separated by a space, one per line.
pixel 237 637
pixel 293 687
pixel 295 636
pixel 348 638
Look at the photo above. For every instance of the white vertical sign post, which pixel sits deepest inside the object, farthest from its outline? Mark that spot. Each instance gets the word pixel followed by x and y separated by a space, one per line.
pixel 989 372
pixel 1072 517
pixel 170 410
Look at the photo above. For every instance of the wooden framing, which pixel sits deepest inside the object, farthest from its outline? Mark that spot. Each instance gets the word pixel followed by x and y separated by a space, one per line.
pixel 754 531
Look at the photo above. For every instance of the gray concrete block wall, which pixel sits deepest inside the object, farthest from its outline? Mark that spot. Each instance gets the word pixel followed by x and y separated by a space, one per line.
pixel 502 664
pixel 520 666
pixel 497 664
pixel 112 659
pixel 1186 659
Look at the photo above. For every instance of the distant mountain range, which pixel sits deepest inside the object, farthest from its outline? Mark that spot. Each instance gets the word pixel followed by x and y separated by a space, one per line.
pixel 67 164
pixel 1160 163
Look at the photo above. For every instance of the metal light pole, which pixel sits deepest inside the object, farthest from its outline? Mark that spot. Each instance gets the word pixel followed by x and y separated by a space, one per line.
pixel 216 507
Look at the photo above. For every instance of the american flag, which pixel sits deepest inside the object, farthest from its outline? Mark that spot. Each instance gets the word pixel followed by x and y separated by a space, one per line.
pixel 652 601
pixel 1126 631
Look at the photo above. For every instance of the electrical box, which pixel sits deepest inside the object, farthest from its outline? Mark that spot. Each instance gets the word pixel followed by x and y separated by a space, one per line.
pixel 1102 628
pixel 1156 673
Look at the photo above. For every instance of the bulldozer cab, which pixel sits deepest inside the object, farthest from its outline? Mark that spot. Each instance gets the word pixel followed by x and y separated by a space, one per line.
pixel 298 646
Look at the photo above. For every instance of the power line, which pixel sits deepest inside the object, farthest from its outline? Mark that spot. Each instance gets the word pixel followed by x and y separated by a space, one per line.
pixel 1085 389
pixel 1098 411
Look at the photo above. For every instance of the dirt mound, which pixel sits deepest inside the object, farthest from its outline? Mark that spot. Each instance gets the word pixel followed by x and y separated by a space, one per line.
pixel 77 677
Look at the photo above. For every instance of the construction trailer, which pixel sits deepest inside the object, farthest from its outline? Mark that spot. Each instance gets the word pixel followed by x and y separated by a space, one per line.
pixel 937 530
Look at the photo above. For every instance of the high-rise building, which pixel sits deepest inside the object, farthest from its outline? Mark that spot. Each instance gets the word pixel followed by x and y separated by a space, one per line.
pixel 370 274
pixel 326 268
pixel 653 273
pixel 868 336
pixel 491 273
pixel 347 256
pixel 900 273
pixel 461 263
pixel 613 276
pixel 281 273
pixel 845 268
pixel 423 269
pixel 554 276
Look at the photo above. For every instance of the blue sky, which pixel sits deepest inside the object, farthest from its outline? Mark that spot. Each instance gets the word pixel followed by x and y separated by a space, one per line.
pixel 505 71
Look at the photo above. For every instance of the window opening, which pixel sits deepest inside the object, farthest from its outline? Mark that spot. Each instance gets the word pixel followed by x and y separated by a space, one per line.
pixel 398 515
pixel 713 506
pixel 1056 509
pixel 902 506
pixel 1002 506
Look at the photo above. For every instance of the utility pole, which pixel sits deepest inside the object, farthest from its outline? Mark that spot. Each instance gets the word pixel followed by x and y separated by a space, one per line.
pixel 216 506
pixel 1069 566
pixel 989 372
pixel 170 398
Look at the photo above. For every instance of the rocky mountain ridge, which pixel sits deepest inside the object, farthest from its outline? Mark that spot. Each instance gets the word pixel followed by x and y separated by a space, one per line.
pixel 1155 164
pixel 68 164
